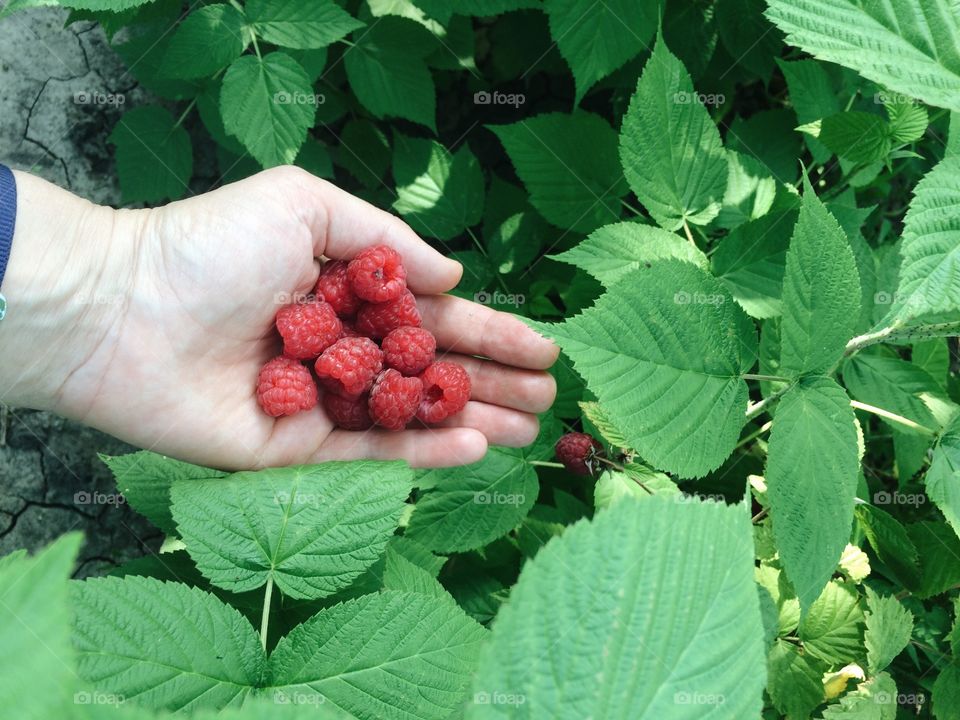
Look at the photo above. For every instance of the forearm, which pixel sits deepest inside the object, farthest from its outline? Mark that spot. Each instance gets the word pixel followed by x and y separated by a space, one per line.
pixel 57 284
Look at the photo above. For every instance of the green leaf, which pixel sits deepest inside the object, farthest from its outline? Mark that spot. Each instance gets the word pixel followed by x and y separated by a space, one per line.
pixel 596 40
pixel 671 150
pixel 748 36
pixel 908 121
pixel 811 478
pixel 833 628
pixel 37 675
pixel 821 292
pixel 664 350
pixel 750 193
pixel 144 479
pixel 164 645
pixel 875 699
pixel 614 485
pixel 614 250
pixel 751 261
pixel 388 74
pixel 440 194
pixel 930 250
pixel 636 638
pixel 895 385
pixel 364 152
pixel 946 693
pixel 300 25
pixel 97 5
pixel 891 543
pixel 788 607
pixel 859 137
pixel 568 164
pixel 795 683
pixel 889 626
pixel 813 97
pixel 312 529
pixel 154 156
pixel 209 39
pixel 943 478
pixel 268 104
pixel 909 47
pixel 472 505
pixel 389 656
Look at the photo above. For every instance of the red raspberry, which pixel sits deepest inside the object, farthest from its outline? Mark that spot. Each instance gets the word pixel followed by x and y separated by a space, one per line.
pixel 348 413
pixel 349 366
pixel 375 320
pixel 348 330
pixel 577 452
pixel 409 349
pixel 377 274
pixel 446 389
pixel 307 329
pixel 333 286
pixel 285 387
pixel 394 400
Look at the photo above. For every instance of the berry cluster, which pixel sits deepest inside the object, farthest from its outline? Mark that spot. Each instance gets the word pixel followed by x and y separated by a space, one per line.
pixel 355 305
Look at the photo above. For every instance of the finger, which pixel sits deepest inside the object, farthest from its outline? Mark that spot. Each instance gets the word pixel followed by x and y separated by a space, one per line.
pixel 531 391
pixel 499 425
pixel 474 329
pixel 343 225
pixel 427 448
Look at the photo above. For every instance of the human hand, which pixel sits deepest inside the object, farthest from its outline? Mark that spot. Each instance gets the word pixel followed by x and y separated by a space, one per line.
pixel 179 317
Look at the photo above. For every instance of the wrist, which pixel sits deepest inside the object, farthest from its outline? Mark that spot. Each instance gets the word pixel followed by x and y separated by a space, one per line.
pixel 64 284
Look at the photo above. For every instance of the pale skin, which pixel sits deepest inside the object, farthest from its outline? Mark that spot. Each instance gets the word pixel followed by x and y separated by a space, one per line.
pixel 152 325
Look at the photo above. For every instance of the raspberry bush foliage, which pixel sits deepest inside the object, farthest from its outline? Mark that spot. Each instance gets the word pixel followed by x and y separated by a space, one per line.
pixel 740 220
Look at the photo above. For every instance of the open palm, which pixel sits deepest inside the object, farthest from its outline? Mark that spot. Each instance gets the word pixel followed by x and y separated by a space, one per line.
pixel 177 369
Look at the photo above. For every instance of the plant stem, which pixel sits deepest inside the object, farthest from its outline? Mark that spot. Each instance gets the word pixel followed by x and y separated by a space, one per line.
pixel 762 405
pixel 754 435
pixel 770 378
pixel 686 229
pixel 893 417
pixel 898 332
pixel 256 48
pixel 759 516
pixel 265 618
pixel 631 208
pixel 183 115
pixel 620 468
pixel 544 463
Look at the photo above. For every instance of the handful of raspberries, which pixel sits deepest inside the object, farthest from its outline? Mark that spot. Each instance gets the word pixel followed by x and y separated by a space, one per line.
pixel 357 304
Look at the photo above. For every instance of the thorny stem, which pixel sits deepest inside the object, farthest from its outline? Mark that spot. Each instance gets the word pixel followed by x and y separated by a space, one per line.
pixel 265 618
pixel 899 332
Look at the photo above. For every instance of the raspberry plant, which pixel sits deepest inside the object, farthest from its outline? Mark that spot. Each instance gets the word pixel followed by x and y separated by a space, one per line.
pixel 741 223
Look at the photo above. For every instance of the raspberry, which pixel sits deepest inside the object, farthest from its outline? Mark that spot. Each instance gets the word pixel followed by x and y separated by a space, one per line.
pixel 394 400
pixel 285 387
pixel 375 320
pixel 377 274
pixel 348 330
pixel 348 413
pixel 409 349
pixel 333 286
pixel 349 366
pixel 446 389
pixel 307 329
pixel 577 452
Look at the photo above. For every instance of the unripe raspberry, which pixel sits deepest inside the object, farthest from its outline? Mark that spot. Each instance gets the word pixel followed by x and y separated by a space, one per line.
pixel 409 349
pixel 349 366
pixel 394 400
pixel 375 320
pixel 334 288
pixel 285 387
pixel 377 274
pixel 446 390
pixel 307 329
pixel 578 452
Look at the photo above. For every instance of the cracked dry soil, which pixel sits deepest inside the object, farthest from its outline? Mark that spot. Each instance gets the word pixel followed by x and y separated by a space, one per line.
pixel 51 479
